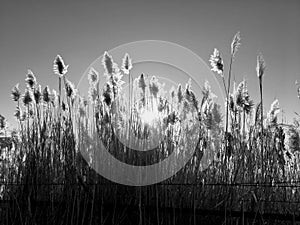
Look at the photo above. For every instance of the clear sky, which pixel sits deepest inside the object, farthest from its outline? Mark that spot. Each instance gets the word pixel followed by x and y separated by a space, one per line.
pixel 34 32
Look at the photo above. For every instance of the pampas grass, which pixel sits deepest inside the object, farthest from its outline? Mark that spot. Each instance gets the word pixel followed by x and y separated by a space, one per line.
pixel 252 149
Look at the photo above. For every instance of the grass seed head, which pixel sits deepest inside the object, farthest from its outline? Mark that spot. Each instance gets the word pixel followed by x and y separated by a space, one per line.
pixel 108 63
pixel 30 79
pixel 37 93
pixel 46 95
pixel 59 66
pixel 235 44
pixel 126 64
pixel 15 93
pixel 2 122
pixel 70 90
pixel 154 86
pixel 27 97
pixel 216 62
pixel 260 66
pixel 93 76
pixel 93 93
pixel 179 93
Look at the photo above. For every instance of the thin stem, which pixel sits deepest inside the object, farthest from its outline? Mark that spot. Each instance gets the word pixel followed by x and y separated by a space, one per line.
pixel 225 88
pixel 227 109
pixel 228 85
pixel 262 126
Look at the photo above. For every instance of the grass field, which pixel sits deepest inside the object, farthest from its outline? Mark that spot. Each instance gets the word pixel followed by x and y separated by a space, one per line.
pixel 45 179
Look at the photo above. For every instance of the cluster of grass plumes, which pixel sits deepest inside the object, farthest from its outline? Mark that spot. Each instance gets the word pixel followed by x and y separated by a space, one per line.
pixel 248 146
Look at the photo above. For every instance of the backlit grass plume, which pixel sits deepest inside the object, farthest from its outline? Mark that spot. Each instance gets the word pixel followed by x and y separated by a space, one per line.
pixel 46 95
pixel 18 113
pixel 70 90
pixel 93 76
pixel 216 62
pixel 37 93
pixel 2 122
pixel 30 79
pixel 154 86
pixel 298 89
pixel 15 93
pixel 260 66
pixel 59 66
pixel 108 63
pixel 274 110
pixel 260 70
pixel 93 93
pixel 27 97
pixel 235 44
pixel 126 64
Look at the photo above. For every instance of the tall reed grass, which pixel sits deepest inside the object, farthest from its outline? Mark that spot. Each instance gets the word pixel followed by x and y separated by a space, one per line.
pixel 43 157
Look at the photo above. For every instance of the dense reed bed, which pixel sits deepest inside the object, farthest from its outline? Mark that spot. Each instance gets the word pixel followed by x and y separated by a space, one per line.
pixel 253 160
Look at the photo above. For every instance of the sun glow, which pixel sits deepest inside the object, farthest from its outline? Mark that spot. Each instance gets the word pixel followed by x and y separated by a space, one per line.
pixel 149 116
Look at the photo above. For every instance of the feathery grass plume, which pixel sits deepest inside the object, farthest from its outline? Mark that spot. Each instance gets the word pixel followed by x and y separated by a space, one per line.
pixel 247 103
pixel 212 115
pixel 188 86
pixel 18 113
pixel 142 82
pixel 172 92
pixel 15 93
pixel 46 95
pixel 108 63
pixel 190 95
pixel 70 90
pixel 112 73
pixel 216 62
pixel 179 93
pixel 116 80
pixel 93 93
pixel 154 86
pixel 206 113
pixel 37 94
pixel 239 95
pixel 298 89
pixel 30 79
pixel 235 44
pixel 27 97
pixel 107 98
pixel 260 66
pixel 206 91
pixel 126 64
pixel 192 99
pixel 93 76
pixel 59 66
pixel 2 122
pixel 260 69
pixel 274 110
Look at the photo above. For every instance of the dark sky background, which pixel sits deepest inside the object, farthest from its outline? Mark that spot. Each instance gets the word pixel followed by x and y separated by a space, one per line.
pixel 34 32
